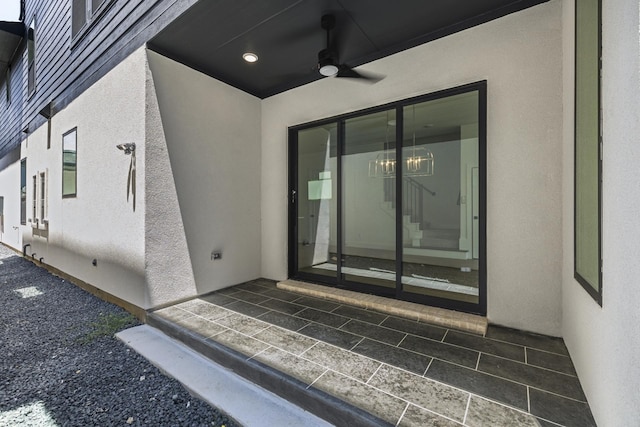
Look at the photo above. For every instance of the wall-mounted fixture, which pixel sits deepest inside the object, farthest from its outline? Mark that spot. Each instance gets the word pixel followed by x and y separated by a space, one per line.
pixel 128 148
pixel 94 262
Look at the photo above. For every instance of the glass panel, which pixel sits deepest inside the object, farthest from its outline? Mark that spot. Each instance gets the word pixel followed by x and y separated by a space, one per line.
pixel 35 195
pixel 587 177
pixel 31 41
pixel 23 191
pixel 79 15
pixel 31 57
pixel 317 205
pixel 368 200
pixel 440 193
pixel 95 4
pixel 42 196
pixel 69 164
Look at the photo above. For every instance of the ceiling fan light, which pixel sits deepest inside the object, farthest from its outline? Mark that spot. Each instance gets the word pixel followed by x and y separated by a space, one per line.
pixel 328 70
pixel 327 63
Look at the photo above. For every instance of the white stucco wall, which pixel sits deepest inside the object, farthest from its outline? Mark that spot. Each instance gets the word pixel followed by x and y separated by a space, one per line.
pixel 212 134
pixel 99 223
pixel 604 342
pixel 10 191
pixel 520 56
pixel 169 274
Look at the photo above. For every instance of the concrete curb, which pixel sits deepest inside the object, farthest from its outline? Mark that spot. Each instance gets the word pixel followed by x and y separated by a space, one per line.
pixel 240 399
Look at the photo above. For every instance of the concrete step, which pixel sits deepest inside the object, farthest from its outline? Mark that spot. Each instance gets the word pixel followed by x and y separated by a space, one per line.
pixel 240 399
pixel 325 407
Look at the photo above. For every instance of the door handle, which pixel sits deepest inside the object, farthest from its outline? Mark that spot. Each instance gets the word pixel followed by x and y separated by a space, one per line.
pixel 293 196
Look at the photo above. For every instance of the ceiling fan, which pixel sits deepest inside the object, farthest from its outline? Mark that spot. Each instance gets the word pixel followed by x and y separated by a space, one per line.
pixel 328 63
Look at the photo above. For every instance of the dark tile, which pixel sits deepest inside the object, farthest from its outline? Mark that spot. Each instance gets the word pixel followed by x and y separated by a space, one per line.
pixel 415 328
pixel 359 314
pixel 282 306
pixel 527 339
pixel 323 317
pixel 555 382
pixel 393 356
pixel 482 412
pixel 550 361
pixel 374 332
pixel 479 383
pixel 218 299
pixel 317 303
pixel 486 345
pixel 254 287
pixel 228 291
pixel 246 308
pixel 439 350
pixel 283 320
pixel 267 283
pixel 329 335
pixel 282 295
pixel 545 423
pixel 250 297
pixel 567 412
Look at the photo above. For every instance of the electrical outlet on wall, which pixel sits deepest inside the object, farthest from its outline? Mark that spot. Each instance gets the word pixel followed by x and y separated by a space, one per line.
pixel 216 255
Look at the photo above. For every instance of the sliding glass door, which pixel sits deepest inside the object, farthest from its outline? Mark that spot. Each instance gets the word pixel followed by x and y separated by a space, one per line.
pixel 315 192
pixel 368 214
pixel 441 198
pixel 403 220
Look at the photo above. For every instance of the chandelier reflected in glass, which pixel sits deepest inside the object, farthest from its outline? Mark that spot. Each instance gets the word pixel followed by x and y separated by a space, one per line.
pixel 418 160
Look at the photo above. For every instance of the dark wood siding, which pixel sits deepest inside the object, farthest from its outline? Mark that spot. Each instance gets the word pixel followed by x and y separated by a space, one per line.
pixel 67 66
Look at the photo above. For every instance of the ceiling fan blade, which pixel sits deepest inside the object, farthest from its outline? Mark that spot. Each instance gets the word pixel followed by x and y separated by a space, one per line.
pixel 348 72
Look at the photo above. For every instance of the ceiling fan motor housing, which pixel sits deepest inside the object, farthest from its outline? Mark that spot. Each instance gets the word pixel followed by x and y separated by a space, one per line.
pixel 327 62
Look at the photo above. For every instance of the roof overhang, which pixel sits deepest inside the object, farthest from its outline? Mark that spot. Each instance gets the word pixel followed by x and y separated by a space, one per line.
pixel 11 35
pixel 287 36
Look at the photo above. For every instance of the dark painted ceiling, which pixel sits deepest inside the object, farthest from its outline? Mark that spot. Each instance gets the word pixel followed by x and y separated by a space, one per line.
pixel 286 35
pixel 11 35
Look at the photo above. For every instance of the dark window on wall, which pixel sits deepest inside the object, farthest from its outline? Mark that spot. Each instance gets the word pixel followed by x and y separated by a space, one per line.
pixel 34 215
pixel 23 191
pixel 31 57
pixel 588 148
pixel 69 163
pixel 83 12
pixel 43 196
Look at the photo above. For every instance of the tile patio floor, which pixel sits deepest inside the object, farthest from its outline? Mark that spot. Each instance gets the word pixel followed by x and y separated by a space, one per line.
pixel 380 369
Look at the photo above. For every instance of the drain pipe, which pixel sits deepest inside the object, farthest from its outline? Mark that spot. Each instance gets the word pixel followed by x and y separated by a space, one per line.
pixel 33 256
pixel 24 249
pixel 41 260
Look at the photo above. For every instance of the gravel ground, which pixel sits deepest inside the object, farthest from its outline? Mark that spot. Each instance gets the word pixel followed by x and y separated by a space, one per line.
pixel 60 364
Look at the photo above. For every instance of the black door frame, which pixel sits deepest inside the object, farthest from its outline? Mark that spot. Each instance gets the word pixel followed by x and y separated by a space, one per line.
pixel 479 308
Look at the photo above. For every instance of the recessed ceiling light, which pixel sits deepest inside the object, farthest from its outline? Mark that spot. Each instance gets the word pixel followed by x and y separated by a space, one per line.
pixel 250 57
